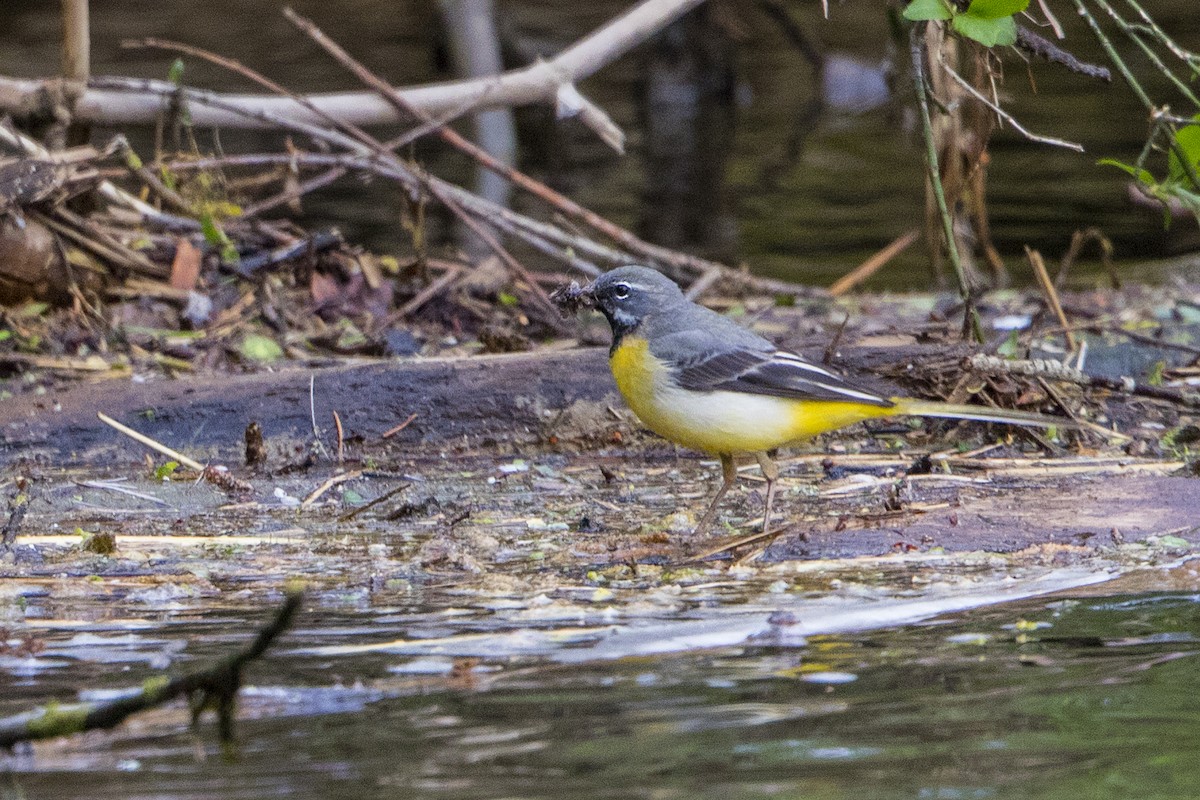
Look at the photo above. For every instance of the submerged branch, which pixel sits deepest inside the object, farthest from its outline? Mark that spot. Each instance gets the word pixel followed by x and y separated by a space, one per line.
pixel 215 687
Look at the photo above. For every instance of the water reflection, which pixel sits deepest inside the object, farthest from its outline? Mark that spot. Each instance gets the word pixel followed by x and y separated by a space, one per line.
pixel 1094 697
pixel 738 147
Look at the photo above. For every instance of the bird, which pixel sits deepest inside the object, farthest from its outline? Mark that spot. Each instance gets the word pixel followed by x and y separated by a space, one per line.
pixel 702 381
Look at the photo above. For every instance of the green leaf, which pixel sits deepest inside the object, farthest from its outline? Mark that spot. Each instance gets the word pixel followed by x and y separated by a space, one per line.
pixel 260 348
pixel 175 73
pixel 164 472
pixel 217 238
pixel 212 234
pixel 1011 347
pixel 1154 376
pixel 1143 176
pixel 5 335
pixel 350 336
pixel 229 253
pixel 1188 139
pixel 995 9
pixel 988 32
pixel 919 10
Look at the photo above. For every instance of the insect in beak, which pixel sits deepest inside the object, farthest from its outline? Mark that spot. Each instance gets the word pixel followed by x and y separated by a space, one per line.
pixel 572 297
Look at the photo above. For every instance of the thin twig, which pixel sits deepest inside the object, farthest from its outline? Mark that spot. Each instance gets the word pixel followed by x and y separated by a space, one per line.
pixel 383 498
pixel 741 541
pixel 917 51
pixel 341 437
pixel 1148 52
pixel 1000 112
pixel 424 296
pixel 702 285
pixel 1040 46
pixel 88 237
pixel 1051 20
pixel 564 204
pixel 1186 56
pixel 872 264
pixel 1185 162
pixel 1078 240
pixel 312 405
pixel 390 432
pixel 213 687
pixel 1047 286
pixel 151 443
pixel 329 484
pixel 331 175
pixel 112 487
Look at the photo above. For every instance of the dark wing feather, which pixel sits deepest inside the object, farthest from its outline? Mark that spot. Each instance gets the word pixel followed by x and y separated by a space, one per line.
pixel 777 373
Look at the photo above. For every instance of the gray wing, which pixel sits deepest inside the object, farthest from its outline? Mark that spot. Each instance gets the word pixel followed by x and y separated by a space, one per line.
pixel 709 352
pixel 770 372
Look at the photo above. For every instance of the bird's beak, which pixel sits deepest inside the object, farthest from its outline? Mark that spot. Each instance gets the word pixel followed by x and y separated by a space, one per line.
pixel 572 297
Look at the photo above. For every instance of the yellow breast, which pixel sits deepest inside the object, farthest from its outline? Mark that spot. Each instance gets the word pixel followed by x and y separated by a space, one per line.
pixel 721 421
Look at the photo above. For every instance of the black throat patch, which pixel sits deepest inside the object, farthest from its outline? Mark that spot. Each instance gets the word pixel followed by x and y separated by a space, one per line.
pixel 622 324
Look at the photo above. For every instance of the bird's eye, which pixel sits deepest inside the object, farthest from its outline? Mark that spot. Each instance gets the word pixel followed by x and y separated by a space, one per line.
pixel 621 291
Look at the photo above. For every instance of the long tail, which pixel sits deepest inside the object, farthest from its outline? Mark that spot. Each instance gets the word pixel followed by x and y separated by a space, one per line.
pixel 929 408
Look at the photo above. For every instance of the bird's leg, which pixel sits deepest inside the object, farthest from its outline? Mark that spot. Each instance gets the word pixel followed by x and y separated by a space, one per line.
pixel 729 477
pixel 770 471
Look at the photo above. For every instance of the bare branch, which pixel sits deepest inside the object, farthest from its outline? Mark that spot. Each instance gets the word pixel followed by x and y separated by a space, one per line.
pixel 1021 129
pixel 219 682
pixel 536 83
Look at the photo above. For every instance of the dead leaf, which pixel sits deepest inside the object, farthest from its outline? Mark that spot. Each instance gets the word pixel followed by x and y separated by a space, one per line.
pixel 185 269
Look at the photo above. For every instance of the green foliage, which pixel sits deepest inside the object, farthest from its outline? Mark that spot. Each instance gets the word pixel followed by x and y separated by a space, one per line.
pixel 1011 347
pixel 1155 376
pixel 995 9
pixel 1178 186
pixel 164 471
pixel 260 348
pixel 215 236
pixel 919 10
pixel 988 32
pixel 1188 140
pixel 175 73
pixel 989 22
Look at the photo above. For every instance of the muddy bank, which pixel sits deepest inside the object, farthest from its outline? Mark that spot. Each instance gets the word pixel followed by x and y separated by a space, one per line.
pixel 494 402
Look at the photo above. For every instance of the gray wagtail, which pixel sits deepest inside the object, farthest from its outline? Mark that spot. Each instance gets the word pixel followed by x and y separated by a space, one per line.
pixel 705 382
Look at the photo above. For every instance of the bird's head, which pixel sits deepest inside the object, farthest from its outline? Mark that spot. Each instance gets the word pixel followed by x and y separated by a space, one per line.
pixel 627 295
